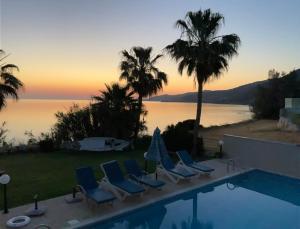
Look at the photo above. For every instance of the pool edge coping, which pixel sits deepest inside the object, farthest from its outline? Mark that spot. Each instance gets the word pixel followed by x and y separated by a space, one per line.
pixel 150 202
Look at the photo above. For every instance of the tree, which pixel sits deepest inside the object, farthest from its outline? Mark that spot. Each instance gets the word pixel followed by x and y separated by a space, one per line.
pixel 115 109
pixel 142 76
pixel 112 113
pixel 269 98
pixel 179 136
pixel 202 52
pixel 75 124
pixel 115 98
pixel 9 84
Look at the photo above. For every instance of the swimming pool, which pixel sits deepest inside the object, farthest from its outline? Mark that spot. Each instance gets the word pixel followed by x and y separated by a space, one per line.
pixel 254 199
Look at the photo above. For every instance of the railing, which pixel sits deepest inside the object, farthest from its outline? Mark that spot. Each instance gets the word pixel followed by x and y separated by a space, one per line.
pixel 230 165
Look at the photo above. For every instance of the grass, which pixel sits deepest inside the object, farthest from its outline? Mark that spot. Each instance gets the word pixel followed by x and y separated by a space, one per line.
pixel 52 174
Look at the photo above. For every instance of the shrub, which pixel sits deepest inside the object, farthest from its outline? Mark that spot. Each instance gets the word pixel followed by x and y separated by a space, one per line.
pixel 179 136
pixel 75 124
pixel 46 143
pixel 32 140
pixel 3 132
pixel 143 142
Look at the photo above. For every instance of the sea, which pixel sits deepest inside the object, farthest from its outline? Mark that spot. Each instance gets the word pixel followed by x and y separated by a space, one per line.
pixel 38 115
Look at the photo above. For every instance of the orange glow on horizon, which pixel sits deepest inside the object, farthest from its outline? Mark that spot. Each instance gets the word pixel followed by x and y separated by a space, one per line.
pixel 71 50
pixel 83 82
pixel 55 88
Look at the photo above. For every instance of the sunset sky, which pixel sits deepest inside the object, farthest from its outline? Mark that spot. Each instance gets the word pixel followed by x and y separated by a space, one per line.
pixel 70 48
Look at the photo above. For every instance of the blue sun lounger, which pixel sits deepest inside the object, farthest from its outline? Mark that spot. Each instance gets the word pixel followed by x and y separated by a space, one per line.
pixel 174 172
pixel 115 179
pixel 137 174
pixel 90 188
pixel 187 161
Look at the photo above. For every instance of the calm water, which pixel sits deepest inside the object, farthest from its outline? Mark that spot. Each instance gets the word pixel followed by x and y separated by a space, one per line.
pixel 253 200
pixel 38 115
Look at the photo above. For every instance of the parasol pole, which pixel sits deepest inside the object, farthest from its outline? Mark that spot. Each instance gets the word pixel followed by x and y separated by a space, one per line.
pixel 145 165
pixel 156 170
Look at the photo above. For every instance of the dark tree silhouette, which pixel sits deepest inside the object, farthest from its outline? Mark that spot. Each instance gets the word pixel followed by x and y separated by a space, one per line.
pixel 9 84
pixel 112 113
pixel 202 52
pixel 142 76
pixel 117 110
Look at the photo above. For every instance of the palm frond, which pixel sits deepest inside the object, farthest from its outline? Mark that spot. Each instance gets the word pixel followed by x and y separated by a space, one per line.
pixel 9 67
pixel 11 80
pixel 2 101
pixel 162 77
pixel 8 91
pixel 9 84
pixel 200 50
pixel 139 70
pixel 155 59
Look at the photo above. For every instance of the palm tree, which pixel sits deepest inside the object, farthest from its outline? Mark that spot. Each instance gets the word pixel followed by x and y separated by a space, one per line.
pixel 116 110
pixel 202 52
pixel 115 97
pixel 9 84
pixel 142 76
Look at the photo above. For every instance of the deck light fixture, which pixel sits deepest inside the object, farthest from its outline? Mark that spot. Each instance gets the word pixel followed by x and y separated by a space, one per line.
pixel 4 180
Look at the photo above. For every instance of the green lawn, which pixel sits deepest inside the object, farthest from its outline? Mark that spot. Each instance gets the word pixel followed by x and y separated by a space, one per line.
pixel 52 174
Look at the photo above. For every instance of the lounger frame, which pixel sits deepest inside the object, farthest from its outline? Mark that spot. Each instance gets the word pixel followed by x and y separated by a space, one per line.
pixel 135 179
pixel 189 168
pixel 87 198
pixel 174 177
pixel 115 189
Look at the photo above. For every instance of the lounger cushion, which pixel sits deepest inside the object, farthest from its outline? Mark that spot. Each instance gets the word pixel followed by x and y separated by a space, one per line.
pixel 133 168
pixel 116 178
pixel 86 178
pixel 113 171
pixel 188 161
pixel 129 187
pixel 168 165
pixel 87 181
pixel 99 195
pixel 167 162
pixel 147 180
pixel 178 170
pixel 200 167
pixel 137 174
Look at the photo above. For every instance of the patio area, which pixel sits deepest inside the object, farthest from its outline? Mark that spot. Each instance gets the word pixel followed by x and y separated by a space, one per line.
pixel 62 215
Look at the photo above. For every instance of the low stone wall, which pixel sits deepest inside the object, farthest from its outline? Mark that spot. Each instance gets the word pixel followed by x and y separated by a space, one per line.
pixel 273 156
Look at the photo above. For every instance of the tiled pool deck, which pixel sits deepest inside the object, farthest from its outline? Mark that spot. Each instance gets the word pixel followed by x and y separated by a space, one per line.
pixel 59 212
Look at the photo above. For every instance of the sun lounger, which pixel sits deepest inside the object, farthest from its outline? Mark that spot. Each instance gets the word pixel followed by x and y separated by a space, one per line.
pixel 174 172
pixel 90 188
pixel 187 161
pixel 115 179
pixel 140 176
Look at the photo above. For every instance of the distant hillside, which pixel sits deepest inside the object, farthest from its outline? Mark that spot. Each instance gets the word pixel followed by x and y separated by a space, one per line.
pixel 240 95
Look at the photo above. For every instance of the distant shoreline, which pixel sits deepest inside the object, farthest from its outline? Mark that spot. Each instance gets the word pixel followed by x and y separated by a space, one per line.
pixel 148 101
pixel 152 101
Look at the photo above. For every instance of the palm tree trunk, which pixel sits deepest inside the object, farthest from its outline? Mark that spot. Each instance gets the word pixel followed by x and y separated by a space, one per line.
pixel 197 120
pixel 137 125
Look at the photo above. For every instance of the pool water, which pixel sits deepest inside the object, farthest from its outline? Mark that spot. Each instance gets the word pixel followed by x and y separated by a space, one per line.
pixel 254 199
